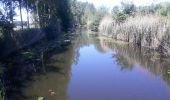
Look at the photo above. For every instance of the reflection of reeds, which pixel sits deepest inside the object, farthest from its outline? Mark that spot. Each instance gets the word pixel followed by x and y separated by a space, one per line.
pixel 128 55
pixel 148 31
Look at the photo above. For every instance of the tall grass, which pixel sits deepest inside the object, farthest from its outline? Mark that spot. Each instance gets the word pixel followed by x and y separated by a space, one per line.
pixel 105 26
pixel 150 31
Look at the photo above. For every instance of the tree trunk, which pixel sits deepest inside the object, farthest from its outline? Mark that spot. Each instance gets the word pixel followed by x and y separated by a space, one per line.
pixel 11 12
pixel 38 20
pixel 28 22
pixel 20 8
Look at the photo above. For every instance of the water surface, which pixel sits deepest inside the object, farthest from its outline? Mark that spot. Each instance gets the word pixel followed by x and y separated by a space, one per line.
pixel 93 69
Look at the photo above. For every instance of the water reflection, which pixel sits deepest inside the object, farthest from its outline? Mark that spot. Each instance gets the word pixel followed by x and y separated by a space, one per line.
pixel 127 56
pixel 107 70
pixel 92 69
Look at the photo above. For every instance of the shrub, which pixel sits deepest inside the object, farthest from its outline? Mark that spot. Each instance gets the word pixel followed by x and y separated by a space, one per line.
pixel 128 7
pixel 120 17
pixel 163 12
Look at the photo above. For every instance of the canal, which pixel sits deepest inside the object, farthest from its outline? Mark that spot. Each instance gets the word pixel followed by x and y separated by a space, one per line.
pixel 100 69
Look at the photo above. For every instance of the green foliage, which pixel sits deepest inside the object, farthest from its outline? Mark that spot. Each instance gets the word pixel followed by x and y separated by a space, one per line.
pixel 115 10
pixel 9 9
pixel 50 11
pixel 5 27
pixel 128 7
pixel 94 25
pixel 86 15
pixel 1 95
pixel 40 98
pixel 120 14
pixel 164 9
pixel 120 17
pixel 82 13
pixel 28 54
pixel 163 12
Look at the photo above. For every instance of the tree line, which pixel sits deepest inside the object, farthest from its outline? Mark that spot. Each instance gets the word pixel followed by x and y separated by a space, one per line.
pixel 48 15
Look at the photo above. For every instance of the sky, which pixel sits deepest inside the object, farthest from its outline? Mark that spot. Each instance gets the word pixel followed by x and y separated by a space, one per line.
pixel 111 3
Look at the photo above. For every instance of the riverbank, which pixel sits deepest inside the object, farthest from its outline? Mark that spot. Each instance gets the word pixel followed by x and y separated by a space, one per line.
pixel 128 55
pixel 19 66
pixel 144 31
pixel 37 51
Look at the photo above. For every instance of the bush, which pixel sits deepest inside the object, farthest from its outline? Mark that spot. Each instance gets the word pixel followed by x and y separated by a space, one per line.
pixel 163 12
pixel 128 8
pixel 120 17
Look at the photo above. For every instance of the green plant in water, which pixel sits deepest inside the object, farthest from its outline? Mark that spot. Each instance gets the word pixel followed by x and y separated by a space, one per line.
pixel 28 54
pixel 40 98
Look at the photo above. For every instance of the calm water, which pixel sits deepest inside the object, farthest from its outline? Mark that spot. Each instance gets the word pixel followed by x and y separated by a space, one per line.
pixel 93 69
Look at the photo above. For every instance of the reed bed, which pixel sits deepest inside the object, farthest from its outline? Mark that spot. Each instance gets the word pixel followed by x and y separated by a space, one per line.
pixel 151 31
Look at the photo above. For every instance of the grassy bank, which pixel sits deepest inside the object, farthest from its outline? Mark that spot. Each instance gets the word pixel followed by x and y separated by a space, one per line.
pixel 144 26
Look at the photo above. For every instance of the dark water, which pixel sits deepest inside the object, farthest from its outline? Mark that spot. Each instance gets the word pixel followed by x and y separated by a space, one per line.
pixel 93 69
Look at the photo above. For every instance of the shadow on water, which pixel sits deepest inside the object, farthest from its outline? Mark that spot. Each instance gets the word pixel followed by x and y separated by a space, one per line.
pixel 28 82
pixel 17 77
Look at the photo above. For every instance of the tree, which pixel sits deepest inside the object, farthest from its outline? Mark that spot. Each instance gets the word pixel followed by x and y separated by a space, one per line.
pixel 128 7
pixel 120 17
pixel 20 8
pixel 5 26
pixel 9 8
pixel 26 4
pixel 115 10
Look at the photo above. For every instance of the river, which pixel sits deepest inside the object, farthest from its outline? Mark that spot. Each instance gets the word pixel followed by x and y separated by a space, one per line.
pixel 100 69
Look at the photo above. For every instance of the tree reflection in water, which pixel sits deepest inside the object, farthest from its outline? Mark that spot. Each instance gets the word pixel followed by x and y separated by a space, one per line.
pixel 127 56
pixel 23 82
